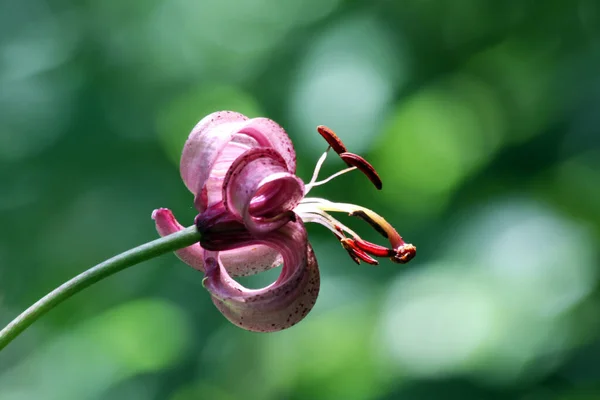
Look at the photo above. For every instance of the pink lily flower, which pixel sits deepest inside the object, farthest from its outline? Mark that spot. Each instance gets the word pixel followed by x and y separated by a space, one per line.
pixel 252 213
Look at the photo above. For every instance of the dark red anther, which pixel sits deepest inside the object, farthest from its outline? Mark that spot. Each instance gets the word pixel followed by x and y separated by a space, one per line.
pixel 374 249
pixel 350 250
pixel 332 139
pixel 357 254
pixel 352 255
pixel 354 160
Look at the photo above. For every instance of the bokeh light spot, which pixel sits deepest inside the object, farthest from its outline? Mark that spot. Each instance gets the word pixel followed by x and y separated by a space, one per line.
pixel 435 139
pixel 347 82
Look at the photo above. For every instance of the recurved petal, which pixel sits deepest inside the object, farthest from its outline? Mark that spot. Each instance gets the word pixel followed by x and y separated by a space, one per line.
pixel 269 133
pixel 203 148
pixel 211 192
pixel 250 260
pixel 260 191
pixel 279 305
pixel 242 261
pixel 166 224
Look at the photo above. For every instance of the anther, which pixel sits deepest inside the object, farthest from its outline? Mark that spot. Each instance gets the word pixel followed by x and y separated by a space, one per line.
pixel 350 250
pixel 374 249
pixel 357 254
pixel 354 160
pixel 332 139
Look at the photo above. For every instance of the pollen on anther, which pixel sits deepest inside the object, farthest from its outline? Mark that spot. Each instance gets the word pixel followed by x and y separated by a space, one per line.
pixel 354 160
pixel 332 139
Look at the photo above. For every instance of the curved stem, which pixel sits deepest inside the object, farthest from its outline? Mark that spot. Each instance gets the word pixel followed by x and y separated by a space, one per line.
pixel 146 251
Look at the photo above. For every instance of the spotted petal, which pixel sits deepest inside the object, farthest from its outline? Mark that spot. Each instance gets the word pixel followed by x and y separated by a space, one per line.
pixel 279 305
pixel 166 224
pixel 203 148
pixel 216 141
pixel 259 190
pixel 269 133
pixel 247 260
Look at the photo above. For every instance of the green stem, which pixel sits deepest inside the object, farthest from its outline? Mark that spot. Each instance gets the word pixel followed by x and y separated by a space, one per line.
pixel 146 251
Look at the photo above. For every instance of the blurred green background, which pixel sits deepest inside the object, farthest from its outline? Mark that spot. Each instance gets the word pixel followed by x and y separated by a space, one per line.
pixel 482 117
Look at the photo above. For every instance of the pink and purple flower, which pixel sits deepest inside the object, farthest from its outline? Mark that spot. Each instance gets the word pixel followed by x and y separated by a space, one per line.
pixel 252 210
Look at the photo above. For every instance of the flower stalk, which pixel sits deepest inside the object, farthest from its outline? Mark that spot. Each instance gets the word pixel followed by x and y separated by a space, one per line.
pixel 129 258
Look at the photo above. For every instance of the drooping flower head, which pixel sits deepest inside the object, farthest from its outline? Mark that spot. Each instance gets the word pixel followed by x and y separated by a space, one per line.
pixel 252 209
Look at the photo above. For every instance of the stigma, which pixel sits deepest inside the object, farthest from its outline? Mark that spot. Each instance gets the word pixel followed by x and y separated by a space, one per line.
pixel 318 210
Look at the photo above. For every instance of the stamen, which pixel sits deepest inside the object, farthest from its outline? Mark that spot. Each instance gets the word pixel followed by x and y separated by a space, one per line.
pixel 332 139
pixel 321 220
pixel 373 249
pixel 313 181
pixel 333 176
pixel 316 171
pixel 371 217
pixel 357 248
pixel 350 245
pixel 363 215
pixel 354 160
pixel 400 252
pixel 351 253
pixel 357 254
pixel 314 214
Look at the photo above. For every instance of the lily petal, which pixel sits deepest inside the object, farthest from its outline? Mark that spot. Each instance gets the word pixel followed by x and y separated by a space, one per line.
pixel 259 190
pixel 203 148
pixel 166 224
pixel 242 261
pixel 269 133
pixel 250 260
pixel 216 141
pixel 279 305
